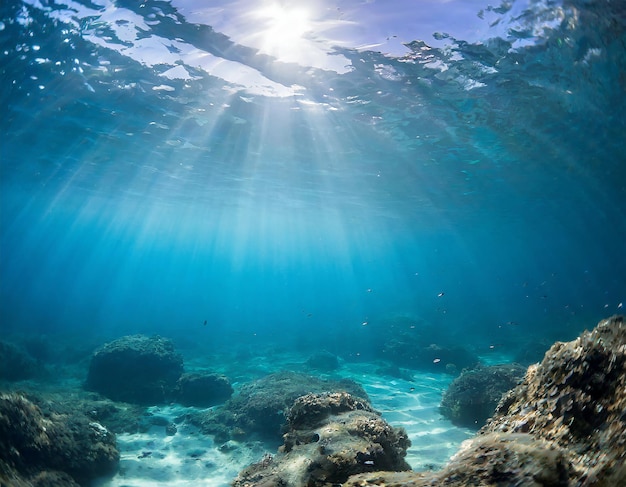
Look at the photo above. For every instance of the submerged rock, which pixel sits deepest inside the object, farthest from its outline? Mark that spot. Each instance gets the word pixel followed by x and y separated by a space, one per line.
pixel 324 361
pixel 331 436
pixel 412 354
pixel 136 369
pixel 51 449
pixel 202 390
pixel 259 407
pixel 15 363
pixel 472 397
pixel 565 424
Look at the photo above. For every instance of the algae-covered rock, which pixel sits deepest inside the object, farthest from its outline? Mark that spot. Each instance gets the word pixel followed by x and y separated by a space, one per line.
pixel 137 369
pixel 576 399
pixel 331 436
pixel 259 407
pixel 202 389
pixel 472 397
pixel 15 363
pixel 564 425
pixel 323 361
pixel 39 448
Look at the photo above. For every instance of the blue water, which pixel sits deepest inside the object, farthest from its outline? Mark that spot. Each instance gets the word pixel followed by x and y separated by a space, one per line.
pixel 478 185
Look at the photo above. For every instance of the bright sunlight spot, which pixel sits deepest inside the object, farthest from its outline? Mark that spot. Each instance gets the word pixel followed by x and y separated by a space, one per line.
pixel 283 30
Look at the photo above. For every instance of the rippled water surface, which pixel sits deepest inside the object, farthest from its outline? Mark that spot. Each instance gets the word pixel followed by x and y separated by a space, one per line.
pixel 297 170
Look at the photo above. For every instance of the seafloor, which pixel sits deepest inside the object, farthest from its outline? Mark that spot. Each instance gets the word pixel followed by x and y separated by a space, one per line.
pixel 579 386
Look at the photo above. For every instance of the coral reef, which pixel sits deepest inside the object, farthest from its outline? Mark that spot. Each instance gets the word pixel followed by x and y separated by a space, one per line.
pixel 473 396
pixel 565 424
pixel 202 389
pixel 15 363
pixel 259 407
pixel 331 436
pixel 136 369
pixel 42 449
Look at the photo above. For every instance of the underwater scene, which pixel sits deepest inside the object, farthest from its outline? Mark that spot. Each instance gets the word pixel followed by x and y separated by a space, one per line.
pixel 314 243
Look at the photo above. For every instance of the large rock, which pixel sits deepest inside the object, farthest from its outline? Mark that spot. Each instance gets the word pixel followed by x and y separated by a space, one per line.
pixel 564 425
pixel 15 363
pixel 51 449
pixel 472 397
pixel 259 407
pixel 137 369
pixel 202 389
pixel 331 436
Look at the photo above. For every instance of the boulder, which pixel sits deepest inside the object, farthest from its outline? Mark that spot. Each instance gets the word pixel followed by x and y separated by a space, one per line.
pixel 323 361
pixel 41 449
pixel 472 397
pixel 565 424
pixel 136 369
pixel 15 363
pixel 331 436
pixel 202 389
pixel 259 407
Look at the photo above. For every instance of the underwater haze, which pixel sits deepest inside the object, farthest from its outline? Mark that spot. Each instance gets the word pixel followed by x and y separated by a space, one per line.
pixel 294 173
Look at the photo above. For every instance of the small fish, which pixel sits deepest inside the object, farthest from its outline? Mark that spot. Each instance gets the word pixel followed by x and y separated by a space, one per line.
pixel 205 322
pixel 436 361
pixel 368 462
pixel 440 294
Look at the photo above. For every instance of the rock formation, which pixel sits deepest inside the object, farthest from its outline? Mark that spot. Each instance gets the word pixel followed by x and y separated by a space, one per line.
pixel 136 369
pixel 473 396
pixel 331 436
pixel 51 448
pixel 259 407
pixel 564 425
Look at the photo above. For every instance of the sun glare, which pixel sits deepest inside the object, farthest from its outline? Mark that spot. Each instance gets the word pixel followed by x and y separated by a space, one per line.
pixel 283 29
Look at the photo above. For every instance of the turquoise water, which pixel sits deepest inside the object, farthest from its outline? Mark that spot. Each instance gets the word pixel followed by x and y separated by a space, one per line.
pixel 210 176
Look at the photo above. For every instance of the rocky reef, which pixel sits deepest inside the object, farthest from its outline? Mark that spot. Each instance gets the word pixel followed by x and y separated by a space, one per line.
pixel 565 424
pixel 42 447
pixel 331 436
pixel 473 396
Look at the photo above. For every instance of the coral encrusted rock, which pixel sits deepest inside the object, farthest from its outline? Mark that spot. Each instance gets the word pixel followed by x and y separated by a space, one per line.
pixel 564 425
pixel 331 436
pixel 137 369
pixel 41 449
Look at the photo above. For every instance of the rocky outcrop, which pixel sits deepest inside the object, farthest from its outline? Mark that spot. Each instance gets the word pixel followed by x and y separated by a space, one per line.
pixel 43 449
pixel 323 361
pixel 15 363
pixel 472 397
pixel 259 407
pixel 137 369
pixel 565 424
pixel 331 436
pixel 202 389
